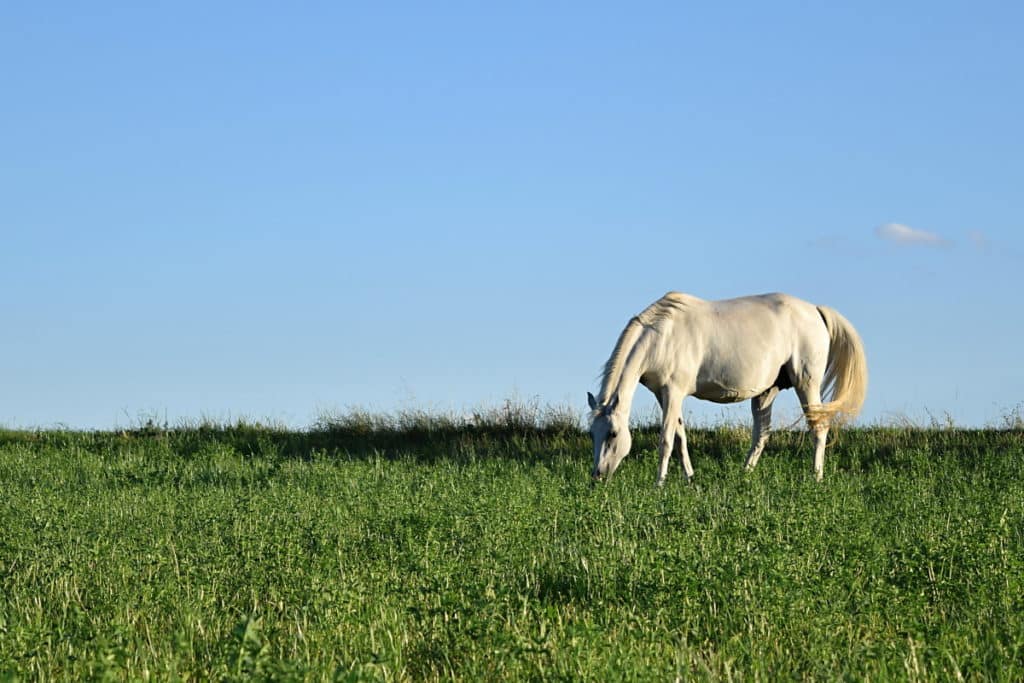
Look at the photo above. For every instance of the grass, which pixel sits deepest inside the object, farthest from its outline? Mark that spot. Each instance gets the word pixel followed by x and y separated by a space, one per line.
pixel 411 548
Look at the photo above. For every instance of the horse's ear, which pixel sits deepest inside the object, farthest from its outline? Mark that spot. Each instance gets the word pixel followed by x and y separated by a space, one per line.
pixel 592 401
pixel 612 402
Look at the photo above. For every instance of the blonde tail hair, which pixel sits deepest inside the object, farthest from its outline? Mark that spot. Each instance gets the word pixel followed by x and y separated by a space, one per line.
pixel 846 375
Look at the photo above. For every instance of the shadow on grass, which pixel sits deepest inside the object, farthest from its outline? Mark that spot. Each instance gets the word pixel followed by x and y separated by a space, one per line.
pixel 526 436
pixel 419 443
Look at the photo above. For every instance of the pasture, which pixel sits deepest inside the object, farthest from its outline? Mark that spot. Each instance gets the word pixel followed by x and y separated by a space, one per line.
pixel 421 549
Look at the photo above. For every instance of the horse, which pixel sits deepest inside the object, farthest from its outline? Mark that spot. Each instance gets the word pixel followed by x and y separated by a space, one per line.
pixel 728 351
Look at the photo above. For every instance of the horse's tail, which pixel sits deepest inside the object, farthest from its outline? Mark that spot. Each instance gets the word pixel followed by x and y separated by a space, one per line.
pixel 846 375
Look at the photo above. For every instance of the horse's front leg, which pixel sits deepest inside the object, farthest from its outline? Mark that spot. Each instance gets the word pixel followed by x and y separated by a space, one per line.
pixel 671 430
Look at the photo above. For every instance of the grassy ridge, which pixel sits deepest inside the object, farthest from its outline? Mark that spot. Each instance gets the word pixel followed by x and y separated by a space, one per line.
pixel 367 549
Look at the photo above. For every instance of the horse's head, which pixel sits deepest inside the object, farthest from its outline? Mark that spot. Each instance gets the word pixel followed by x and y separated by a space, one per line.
pixel 609 428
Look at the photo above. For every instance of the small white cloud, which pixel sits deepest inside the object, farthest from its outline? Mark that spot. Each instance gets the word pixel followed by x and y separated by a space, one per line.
pixel 904 234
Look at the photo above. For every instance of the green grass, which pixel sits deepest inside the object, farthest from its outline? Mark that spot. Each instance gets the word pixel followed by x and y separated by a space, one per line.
pixel 375 549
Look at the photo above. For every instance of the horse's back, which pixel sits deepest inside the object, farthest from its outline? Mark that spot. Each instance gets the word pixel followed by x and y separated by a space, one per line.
pixel 774 321
pixel 777 302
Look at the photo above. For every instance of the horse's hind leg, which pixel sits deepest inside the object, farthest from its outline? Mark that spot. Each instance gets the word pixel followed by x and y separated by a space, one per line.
pixel 761 409
pixel 682 451
pixel 820 437
pixel 817 422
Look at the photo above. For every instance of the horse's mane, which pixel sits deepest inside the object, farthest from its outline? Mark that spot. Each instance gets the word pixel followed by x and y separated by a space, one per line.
pixel 663 308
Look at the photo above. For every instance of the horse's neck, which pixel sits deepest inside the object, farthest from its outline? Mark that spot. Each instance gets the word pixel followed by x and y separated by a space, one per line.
pixel 633 368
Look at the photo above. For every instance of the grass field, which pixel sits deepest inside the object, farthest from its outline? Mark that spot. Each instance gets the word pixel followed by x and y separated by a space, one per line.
pixel 376 549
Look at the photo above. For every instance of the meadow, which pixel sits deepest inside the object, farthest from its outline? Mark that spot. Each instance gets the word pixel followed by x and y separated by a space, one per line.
pixel 423 548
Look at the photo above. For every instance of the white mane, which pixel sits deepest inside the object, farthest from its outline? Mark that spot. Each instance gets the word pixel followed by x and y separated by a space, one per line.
pixel 671 304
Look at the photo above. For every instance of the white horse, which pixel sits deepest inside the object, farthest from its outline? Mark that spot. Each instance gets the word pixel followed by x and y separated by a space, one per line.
pixel 728 351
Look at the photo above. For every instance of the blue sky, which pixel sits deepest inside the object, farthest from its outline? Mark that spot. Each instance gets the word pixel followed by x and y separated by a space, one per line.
pixel 268 211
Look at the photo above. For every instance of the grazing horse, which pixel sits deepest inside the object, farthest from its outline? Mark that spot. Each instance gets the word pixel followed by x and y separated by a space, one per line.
pixel 728 351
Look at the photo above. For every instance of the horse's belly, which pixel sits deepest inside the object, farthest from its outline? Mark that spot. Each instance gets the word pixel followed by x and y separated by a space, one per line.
pixel 733 377
pixel 720 393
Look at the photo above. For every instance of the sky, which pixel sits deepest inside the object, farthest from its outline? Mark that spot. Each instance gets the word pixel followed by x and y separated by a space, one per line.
pixel 276 211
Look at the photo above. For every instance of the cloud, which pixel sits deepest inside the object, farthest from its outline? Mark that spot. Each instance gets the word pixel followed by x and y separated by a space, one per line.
pixel 904 234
